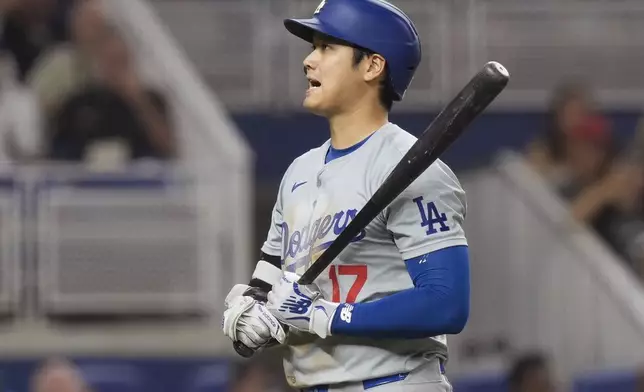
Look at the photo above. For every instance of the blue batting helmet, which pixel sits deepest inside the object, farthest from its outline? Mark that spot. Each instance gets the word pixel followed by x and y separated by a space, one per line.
pixel 370 24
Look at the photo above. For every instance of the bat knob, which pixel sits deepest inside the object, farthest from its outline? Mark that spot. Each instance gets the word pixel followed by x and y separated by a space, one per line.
pixel 497 69
pixel 243 350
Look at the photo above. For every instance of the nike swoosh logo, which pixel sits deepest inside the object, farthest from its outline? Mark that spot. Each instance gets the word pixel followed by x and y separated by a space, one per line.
pixel 297 185
pixel 320 307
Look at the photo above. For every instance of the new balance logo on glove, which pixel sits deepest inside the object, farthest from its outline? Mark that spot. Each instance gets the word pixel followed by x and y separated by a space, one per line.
pixel 299 304
pixel 301 307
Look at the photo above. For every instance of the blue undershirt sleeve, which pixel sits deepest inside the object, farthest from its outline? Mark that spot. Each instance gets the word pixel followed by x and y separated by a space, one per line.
pixel 438 303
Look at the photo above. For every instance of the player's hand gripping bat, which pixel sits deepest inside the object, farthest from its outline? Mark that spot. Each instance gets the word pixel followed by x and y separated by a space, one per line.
pixel 450 123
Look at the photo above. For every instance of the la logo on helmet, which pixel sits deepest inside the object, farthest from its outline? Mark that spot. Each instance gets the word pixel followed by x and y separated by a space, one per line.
pixel 322 4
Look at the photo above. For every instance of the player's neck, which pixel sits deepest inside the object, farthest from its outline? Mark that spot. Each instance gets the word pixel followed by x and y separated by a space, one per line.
pixel 350 127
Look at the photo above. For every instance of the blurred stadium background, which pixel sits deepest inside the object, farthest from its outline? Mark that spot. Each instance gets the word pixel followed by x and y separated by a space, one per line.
pixel 142 143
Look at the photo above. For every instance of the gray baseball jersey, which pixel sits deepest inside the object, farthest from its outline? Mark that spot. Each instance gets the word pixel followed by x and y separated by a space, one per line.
pixel 315 203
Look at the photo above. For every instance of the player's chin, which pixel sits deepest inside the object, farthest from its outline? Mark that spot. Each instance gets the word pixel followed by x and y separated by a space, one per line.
pixel 313 105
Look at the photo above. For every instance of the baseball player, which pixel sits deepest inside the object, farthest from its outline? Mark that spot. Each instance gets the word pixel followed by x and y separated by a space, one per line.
pixel 378 317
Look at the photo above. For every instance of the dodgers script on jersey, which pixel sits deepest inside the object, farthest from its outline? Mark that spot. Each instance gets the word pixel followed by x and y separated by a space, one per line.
pixel 315 203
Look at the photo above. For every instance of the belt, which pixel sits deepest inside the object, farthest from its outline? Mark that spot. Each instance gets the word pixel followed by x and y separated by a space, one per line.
pixel 371 383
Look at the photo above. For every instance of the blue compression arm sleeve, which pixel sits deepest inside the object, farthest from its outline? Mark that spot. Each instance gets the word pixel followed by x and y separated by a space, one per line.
pixel 438 304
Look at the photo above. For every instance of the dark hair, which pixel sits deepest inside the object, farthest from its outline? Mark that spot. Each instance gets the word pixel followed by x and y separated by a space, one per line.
pixel 522 366
pixel 554 137
pixel 386 88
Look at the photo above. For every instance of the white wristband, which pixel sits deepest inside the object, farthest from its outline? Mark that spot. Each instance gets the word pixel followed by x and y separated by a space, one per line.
pixel 267 272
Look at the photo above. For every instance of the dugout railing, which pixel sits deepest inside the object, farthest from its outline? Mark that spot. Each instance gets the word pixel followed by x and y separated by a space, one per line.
pixel 83 249
pixel 127 243
pixel 542 281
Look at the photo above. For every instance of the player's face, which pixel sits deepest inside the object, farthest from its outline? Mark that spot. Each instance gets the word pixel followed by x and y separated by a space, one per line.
pixel 335 84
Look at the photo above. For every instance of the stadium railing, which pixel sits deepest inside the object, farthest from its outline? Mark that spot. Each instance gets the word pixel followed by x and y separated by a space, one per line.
pixel 129 246
pixel 120 243
pixel 11 244
pixel 542 281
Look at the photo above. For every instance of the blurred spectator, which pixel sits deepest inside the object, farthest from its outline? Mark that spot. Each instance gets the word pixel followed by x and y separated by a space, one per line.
pixel 603 193
pixel 587 156
pixel 67 68
pixel 577 156
pixel 115 111
pixel 31 26
pixel 58 375
pixel 531 373
pixel 21 122
pixel 620 221
pixel 570 104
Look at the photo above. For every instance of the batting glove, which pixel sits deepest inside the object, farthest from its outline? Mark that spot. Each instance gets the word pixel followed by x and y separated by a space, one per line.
pixel 301 306
pixel 248 320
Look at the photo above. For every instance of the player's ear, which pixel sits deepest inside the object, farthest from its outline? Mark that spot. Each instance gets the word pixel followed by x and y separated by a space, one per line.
pixel 376 67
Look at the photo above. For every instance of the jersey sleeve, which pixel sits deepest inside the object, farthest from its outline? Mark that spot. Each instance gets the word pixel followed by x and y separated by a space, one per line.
pixel 429 215
pixel 273 244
